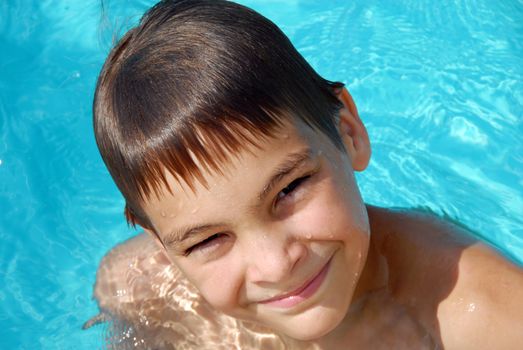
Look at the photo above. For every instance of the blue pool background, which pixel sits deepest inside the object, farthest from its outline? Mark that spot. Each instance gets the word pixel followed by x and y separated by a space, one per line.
pixel 440 88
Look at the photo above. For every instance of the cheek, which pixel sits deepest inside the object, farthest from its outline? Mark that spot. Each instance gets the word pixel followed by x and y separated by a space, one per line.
pixel 335 212
pixel 219 283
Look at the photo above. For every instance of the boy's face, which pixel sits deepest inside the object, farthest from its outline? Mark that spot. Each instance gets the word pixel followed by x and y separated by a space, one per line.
pixel 280 238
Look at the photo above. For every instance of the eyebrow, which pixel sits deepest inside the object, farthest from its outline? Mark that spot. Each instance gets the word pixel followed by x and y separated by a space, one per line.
pixel 184 233
pixel 292 162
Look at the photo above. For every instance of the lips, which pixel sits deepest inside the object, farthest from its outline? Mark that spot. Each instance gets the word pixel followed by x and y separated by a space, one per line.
pixel 300 294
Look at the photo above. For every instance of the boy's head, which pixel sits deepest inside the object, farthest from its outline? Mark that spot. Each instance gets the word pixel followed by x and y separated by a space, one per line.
pixel 184 89
pixel 238 157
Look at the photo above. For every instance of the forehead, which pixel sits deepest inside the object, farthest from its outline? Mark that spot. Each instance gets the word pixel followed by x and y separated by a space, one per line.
pixel 242 177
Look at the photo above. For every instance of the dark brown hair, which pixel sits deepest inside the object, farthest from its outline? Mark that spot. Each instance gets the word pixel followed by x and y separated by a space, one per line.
pixel 192 84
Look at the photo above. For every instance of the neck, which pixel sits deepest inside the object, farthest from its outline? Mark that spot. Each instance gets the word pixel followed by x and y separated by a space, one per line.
pixel 374 277
pixel 375 272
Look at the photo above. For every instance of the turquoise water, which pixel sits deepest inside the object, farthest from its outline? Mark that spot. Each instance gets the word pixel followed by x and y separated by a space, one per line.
pixel 440 88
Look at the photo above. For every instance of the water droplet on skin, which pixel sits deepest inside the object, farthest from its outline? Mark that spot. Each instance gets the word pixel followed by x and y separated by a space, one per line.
pixel 331 236
pixel 162 214
pixel 194 210
pixel 121 292
pixel 471 307
pixel 171 216
pixel 308 236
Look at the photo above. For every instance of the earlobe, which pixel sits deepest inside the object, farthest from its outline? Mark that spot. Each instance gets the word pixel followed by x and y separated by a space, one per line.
pixel 353 133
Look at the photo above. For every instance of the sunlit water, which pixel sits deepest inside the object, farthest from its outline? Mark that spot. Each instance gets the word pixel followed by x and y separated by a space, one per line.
pixel 440 88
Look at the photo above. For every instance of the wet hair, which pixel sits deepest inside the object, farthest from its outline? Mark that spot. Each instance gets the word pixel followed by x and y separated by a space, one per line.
pixel 194 82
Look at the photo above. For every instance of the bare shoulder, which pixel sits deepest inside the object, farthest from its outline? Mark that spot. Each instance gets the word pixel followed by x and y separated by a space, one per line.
pixel 131 272
pixel 463 290
pixel 137 284
pixel 485 308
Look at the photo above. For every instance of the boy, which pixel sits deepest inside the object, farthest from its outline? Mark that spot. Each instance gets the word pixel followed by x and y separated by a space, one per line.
pixel 238 160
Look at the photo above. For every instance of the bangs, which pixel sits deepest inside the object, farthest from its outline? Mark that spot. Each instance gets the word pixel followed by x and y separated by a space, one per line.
pixel 192 85
pixel 190 151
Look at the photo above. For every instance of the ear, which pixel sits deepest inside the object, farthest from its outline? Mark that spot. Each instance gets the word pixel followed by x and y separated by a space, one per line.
pixel 353 132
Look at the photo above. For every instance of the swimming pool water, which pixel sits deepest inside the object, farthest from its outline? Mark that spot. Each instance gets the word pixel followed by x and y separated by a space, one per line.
pixel 439 86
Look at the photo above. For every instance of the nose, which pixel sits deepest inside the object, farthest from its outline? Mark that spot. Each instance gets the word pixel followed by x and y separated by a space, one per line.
pixel 273 257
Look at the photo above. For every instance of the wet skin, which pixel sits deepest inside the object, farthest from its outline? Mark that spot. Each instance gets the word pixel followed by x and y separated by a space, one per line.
pixel 440 292
pixel 300 254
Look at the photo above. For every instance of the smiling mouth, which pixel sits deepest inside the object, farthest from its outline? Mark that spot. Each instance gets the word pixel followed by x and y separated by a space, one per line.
pixel 302 293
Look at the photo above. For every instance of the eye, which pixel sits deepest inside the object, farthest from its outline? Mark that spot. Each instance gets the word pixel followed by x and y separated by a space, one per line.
pixel 208 245
pixel 292 187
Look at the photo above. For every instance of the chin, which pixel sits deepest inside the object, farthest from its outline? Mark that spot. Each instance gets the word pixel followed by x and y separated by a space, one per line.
pixel 316 327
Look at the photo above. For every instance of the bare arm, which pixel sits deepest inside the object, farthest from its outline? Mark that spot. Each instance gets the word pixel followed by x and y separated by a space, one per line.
pixel 466 293
pixel 137 284
pixel 485 310
pixel 131 274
